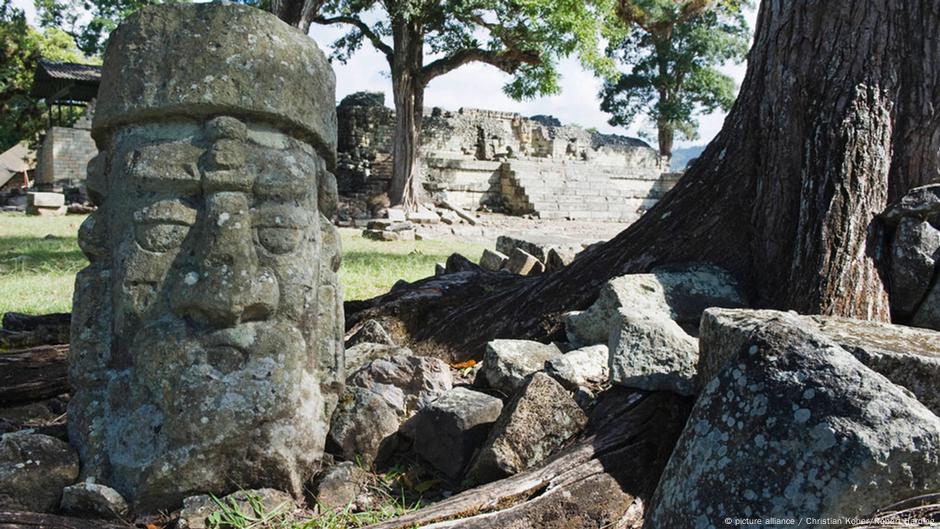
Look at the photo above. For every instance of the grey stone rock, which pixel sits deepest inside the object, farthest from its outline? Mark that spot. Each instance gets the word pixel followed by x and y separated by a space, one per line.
pixel 681 292
pixel 650 351
pixel 506 363
pixel 582 367
pixel 449 430
pixel 34 468
pixel 361 354
pixel 406 382
pixel 340 486
pixel 523 263
pixel 915 250
pixel 371 331
pixel 921 203
pixel 538 246
pixel 197 509
pixel 363 426
pixel 907 356
pixel 93 498
pixel 449 216
pixel 559 258
pixel 397 215
pixel 423 216
pixel 793 425
pixel 928 315
pixel 207 329
pixel 45 200
pixel 493 260
pixel 537 421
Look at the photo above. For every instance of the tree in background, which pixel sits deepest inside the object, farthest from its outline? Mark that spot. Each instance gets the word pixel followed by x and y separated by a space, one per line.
pixel 673 51
pixel 424 39
pixel 89 22
pixel 21 47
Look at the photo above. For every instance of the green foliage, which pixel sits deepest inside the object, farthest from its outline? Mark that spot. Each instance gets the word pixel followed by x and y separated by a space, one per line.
pixel 89 22
pixel 21 48
pixel 673 51
pixel 524 38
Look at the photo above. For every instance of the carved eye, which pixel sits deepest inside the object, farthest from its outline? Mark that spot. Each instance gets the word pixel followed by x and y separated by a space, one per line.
pixel 280 240
pixel 159 237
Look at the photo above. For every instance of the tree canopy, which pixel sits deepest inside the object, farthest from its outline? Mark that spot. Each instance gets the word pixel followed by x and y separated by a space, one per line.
pixel 89 22
pixel 672 53
pixel 21 48
pixel 522 38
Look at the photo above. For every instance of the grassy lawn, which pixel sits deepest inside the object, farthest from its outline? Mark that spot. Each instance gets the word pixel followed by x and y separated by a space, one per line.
pixel 40 256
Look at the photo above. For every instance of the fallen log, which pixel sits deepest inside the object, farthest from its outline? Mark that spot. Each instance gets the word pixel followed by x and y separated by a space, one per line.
pixel 604 480
pixel 33 374
pixel 30 520
pixel 17 321
pixel 26 330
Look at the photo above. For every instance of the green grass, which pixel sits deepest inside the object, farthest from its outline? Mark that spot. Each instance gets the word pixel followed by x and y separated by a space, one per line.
pixel 39 257
pixel 37 274
pixel 395 498
pixel 371 267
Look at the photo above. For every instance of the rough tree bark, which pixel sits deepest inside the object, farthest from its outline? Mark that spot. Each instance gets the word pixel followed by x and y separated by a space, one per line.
pixel 297 13
pixel 839 110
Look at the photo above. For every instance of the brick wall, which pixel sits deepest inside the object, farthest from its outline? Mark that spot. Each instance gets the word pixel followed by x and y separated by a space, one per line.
pixel 64 156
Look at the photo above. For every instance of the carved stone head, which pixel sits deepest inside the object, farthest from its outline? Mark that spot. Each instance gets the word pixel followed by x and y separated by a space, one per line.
pixel 206 352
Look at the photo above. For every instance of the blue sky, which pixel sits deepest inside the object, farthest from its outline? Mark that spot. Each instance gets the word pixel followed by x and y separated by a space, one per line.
pixel 480 86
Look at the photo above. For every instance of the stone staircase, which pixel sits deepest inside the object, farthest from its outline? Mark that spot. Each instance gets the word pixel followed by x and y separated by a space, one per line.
pixel 576 190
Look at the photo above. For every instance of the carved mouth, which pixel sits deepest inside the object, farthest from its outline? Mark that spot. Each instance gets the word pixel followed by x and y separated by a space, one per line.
pixel 228 350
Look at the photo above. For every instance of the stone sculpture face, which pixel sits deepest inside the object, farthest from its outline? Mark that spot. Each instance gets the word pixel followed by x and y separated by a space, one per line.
pixel 206 352
pixel 209 253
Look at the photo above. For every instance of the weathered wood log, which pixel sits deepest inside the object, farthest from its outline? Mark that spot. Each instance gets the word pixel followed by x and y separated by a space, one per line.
pixel 27 330
pixel 603 480
pixel 29 375
pixel 16 321
pixel 30 520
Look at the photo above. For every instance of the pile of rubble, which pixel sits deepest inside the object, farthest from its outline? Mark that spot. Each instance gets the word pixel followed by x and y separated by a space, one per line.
pixel 529 255
pixel 401 226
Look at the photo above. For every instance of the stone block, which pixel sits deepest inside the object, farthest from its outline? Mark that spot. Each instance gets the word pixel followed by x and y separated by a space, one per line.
pixel 523 263
pixel 34 468
pixel 450 429
pixel 493 260
pixel 582 367
pixel 833 437
pixel 650 351
pixel 538 420
pixel 506 363
pixel 45 200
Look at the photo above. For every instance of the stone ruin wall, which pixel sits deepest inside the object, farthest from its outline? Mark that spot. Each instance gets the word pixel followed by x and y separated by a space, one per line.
pixel 65 153
pixel 504 161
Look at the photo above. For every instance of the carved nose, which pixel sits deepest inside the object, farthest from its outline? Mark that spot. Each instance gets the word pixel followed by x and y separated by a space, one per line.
pixel 226 284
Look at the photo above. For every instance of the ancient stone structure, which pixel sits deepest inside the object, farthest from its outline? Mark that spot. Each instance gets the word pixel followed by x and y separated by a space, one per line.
pixel 206 348
pixel 65 152
pixel 505 161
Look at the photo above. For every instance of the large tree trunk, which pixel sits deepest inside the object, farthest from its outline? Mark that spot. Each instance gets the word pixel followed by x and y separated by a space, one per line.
pixel 408 93
pixel 839 109
pixel 665 135
pixel 297 13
